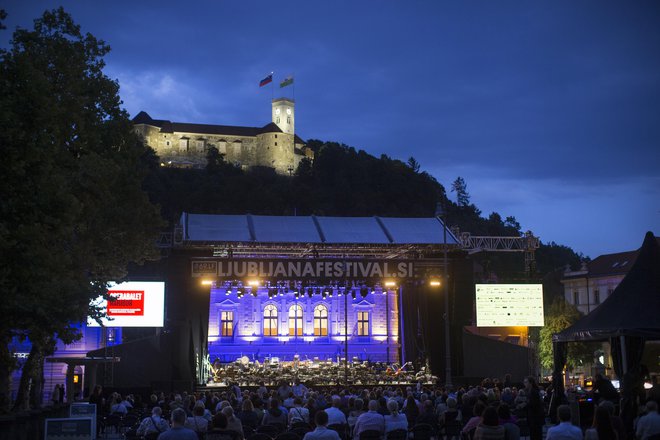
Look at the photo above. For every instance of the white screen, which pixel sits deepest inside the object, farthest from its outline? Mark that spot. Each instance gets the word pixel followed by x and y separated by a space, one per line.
pixel 137 304
pixel 506 305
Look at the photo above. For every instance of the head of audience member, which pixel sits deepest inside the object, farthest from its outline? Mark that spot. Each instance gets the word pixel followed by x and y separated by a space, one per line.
pixel 220 421
pixel 358 404
pixel 489 416
pixel 321 418
pixel 373 405
pixel 156 411
pixel 198 410
pixel 178 417
pixel 451 403
pixel 336 401
pixel 603 424
pixel 609 406
pixel 247 405
pixel 651 406
pixel 564 413
pixel 503 412
pixel 478 409
pixel 297 402
pixel 228 411
pixel 393 407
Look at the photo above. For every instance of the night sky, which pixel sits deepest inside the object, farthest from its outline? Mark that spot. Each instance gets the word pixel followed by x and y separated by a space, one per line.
pixel 549 110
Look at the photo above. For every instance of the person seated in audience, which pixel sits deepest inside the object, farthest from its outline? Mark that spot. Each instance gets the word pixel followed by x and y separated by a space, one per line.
pixel 178 431
pixel 565 430
pixel 274 415
pixel 489 428
pixel 197 422
pixel 372 420
pixel 471 424
pixel 427 416
pixel 335 415
pixel 153 424
pixel 602 428
pixel 357 411
pixel 617 422
pixel 649 424
pixel 248 416
pixel 394 420
pixel 451 415
pixel 511 430
pixel 117 405
pixel 298 413
pixel 233 423
pixel 321 432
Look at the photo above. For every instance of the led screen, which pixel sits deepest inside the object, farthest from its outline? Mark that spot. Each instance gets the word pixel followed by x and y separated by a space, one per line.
pixel 505 305
pixel 133 304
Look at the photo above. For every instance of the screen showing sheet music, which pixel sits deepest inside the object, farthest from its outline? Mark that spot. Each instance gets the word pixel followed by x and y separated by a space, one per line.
pixel 508 305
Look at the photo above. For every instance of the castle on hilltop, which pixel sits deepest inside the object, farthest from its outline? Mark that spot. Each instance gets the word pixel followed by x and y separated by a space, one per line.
pixel 185 145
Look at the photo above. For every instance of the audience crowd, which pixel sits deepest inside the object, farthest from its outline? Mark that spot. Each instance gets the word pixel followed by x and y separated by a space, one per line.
pixel 495 410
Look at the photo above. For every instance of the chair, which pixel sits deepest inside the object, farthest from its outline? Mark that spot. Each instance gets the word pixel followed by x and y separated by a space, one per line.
pixel 452 429
pixel 524 428
pixel 301 425
pixel 111 421
pixel 257 436
pixel 397 434
pixel 224 434
pixel 272 429
pixel 422 431
pixel 370 434
pixel 341 429
pixel 288 435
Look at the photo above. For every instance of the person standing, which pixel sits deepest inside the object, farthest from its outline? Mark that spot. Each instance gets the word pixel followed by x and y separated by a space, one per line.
pixel 61 394
pixel 535 413
pixel 56 395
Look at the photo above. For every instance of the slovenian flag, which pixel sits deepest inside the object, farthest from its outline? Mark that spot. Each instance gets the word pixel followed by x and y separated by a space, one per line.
pixel 287 81
pixel 266 80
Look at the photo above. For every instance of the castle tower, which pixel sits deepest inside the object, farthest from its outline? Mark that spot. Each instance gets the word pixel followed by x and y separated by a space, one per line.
pixel 284 115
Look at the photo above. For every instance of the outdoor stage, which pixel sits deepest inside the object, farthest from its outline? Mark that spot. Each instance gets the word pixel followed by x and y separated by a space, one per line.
pixel 316 374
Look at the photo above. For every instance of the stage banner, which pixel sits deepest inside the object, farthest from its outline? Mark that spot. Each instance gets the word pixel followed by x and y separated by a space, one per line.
pixel 79 428
pixel 79 409
pixel 293 269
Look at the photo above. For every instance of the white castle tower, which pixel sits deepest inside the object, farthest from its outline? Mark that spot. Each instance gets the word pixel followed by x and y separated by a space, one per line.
pixel 284 114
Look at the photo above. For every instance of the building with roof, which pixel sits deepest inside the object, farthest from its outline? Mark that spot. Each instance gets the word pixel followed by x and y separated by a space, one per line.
pixel 588 287
pixel 186 145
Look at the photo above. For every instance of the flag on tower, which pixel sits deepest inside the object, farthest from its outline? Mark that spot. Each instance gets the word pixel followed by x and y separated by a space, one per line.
pixel 287 81
pixel 266 80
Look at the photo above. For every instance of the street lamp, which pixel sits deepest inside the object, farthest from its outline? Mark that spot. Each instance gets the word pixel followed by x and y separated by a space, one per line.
pixel 441 214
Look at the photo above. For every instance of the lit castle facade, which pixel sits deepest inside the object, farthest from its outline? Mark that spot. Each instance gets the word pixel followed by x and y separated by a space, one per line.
pixel 186 145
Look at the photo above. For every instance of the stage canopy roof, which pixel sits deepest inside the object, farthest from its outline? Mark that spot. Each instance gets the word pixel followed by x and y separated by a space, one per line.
pixel 314 232
pixel 632 309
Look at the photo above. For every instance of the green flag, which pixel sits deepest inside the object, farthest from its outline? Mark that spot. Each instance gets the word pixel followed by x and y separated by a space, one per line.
pixel 287 81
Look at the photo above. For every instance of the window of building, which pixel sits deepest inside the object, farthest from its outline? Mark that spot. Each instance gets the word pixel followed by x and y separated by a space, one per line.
pixel 276 144
pixel 596 296
pixel 576 298
pixel 295 320
pixel 320 320
pixel 363 323
pixel 183 145
pixel 227 323
pixel 288 119
pixel 199 145
pixel 277 120
pixel 270 320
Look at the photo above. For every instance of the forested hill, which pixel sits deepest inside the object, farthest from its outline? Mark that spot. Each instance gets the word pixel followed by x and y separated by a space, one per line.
pixel 342 181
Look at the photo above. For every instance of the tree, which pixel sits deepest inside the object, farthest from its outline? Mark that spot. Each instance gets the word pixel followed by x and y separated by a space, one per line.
pixel 73 213
pixel 460 188
pixel 561 315
pixel 413 164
